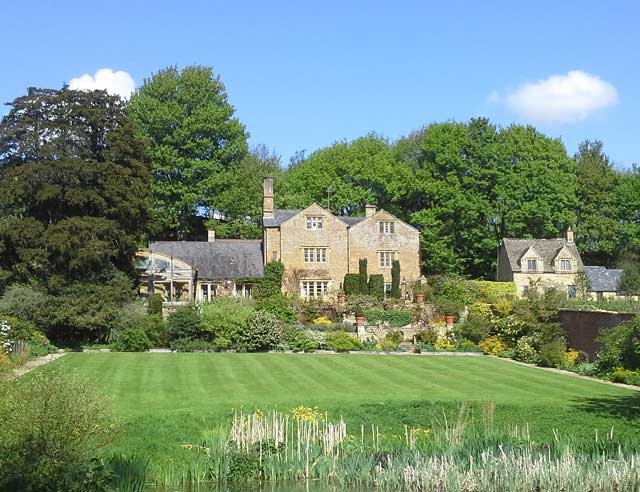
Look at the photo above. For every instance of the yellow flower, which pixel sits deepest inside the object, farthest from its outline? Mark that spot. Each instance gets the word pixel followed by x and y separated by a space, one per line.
pixel 307 414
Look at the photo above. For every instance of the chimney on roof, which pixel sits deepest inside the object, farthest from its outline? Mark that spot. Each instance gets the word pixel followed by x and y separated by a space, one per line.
pixel 211 236
pixel 370 210
pixel 570 234
pixel 267 197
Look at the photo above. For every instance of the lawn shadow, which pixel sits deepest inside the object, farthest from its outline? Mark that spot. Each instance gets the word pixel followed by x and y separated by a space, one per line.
pixel 615 406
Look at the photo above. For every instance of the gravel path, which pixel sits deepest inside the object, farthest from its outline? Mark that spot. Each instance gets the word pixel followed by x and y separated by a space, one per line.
pixel 37 362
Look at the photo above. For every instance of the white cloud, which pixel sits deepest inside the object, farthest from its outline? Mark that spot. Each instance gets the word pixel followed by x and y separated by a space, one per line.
pixel 560 98
pixel 114 82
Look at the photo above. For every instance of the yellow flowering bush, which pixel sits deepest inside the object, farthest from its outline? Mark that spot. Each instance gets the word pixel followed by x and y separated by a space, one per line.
pixel 492 346
pixel 480 310
pixel 322 320
pixel 571 357
pixel 307 414
pixel 443 343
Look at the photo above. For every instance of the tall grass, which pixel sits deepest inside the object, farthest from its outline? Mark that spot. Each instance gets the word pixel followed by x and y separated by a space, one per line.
pixel 450 455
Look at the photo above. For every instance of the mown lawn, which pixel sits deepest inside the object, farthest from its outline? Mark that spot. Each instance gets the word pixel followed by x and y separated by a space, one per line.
pixel 165 400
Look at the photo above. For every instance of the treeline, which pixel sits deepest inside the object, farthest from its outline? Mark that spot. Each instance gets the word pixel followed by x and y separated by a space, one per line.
pixel 85 178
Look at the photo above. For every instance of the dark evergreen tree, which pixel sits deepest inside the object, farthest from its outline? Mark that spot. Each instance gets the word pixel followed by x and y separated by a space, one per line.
pixel 395 279
pixel 364 277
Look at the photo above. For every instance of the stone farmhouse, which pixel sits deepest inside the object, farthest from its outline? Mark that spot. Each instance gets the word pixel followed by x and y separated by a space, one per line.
pixel 553 263
pixel 316 247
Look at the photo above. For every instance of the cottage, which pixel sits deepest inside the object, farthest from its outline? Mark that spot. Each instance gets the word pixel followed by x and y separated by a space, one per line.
pixel 604 282
pixel 550 263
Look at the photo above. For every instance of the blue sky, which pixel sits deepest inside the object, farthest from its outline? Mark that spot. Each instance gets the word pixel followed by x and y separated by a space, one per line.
pixel 305 74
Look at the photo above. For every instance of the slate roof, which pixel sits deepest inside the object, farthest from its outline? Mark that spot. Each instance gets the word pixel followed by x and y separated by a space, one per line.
pixel 603 279
pixel 548 249
pixel 220 259
pixel 281 215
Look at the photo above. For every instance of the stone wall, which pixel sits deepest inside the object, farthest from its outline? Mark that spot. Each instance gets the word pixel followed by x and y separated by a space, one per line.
pixel 583 327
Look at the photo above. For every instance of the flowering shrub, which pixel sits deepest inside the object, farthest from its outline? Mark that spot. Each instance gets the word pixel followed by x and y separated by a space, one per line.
pixel 509 328
pixel 627 376
pixel 322 320
pixel 571 357
pixel 444 344
pixel 492 346
pixel 525 352
pixel 480 311
pixel 341 341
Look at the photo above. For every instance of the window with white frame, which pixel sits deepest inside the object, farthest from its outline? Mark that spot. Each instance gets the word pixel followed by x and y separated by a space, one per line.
pixel 387 227
pixel 532 265
pixel 565 265
pixel 315 255
pixel 386 258
pixel 314 289
pixel 314 222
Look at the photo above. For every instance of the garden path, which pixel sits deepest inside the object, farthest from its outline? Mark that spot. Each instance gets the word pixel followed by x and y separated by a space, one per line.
pixel 37 362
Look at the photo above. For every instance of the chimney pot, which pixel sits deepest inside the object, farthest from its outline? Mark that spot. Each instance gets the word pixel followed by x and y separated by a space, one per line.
pixel 370 210
pixel 570 235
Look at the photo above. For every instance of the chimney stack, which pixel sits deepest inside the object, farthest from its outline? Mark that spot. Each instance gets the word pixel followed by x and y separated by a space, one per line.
pixel 370 210
pixel 570 234
pixel 211 236
pixel 267 197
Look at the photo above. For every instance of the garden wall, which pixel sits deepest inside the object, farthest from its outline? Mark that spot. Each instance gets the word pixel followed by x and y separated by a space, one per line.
pixel 583 327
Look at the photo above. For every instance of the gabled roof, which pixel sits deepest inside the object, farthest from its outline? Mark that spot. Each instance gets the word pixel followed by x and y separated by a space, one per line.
pixel 603 279
pixel 281 215
pixel 547 249
pixel 220 259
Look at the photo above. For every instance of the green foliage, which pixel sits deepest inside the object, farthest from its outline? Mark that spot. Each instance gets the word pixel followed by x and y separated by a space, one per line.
pixel 299 340
pixel 224 319
pixel 376 286
pixel 351 285
pixel 394 317
pixel 474 329
pixel 131 340
pixel 270 284
pixel 185 324
pixel 552 353
pixel 341 341
pixel 395 279
pixel 626 376
pixel 620 347
pixel 279 305
pixel 630 279
pixel 524 351
pixel 465 345
pixel 263 331
pixel 428 336
pixel 363 286
pixel 53 426
pixel 195 143
pixel 155 304
pixel 490 291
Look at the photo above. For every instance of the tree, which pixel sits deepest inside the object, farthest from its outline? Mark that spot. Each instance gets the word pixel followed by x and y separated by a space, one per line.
pixel 74 187
pixel 195 143
pixel 363 286
pixel 376 286
pixel 395 279
pixel 630 279
pixel 598 228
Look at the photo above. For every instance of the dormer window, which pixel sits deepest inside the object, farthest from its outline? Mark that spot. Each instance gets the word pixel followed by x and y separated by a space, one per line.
pixel 565 265
pixel 532 265
pixel 387 227
pixel 314 222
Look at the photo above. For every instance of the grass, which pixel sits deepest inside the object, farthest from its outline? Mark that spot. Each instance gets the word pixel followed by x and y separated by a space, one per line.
pixel 166 400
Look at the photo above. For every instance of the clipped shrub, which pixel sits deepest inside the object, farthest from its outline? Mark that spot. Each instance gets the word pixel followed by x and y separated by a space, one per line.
pixel 428 336
pixel 263 331
pixel 363 277
pixel 465 345
pixel 154 304
pixel 376 286
pixel 552 353
pixel 54 425
pixel 279 305
pixel 351 284
pixel 341 341
pixel 224 319
pixel 492 346
pixel 474 329
pixel 524 351
pixel 395 279
pixel 184 323
pixel 131 340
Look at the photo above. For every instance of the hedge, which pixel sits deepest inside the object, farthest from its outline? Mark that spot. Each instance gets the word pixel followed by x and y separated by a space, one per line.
pixel 351 284
pixel 376 286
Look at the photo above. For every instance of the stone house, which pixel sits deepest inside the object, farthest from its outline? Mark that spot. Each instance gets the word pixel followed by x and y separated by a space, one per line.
pixel 550 263
pixel 318 248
